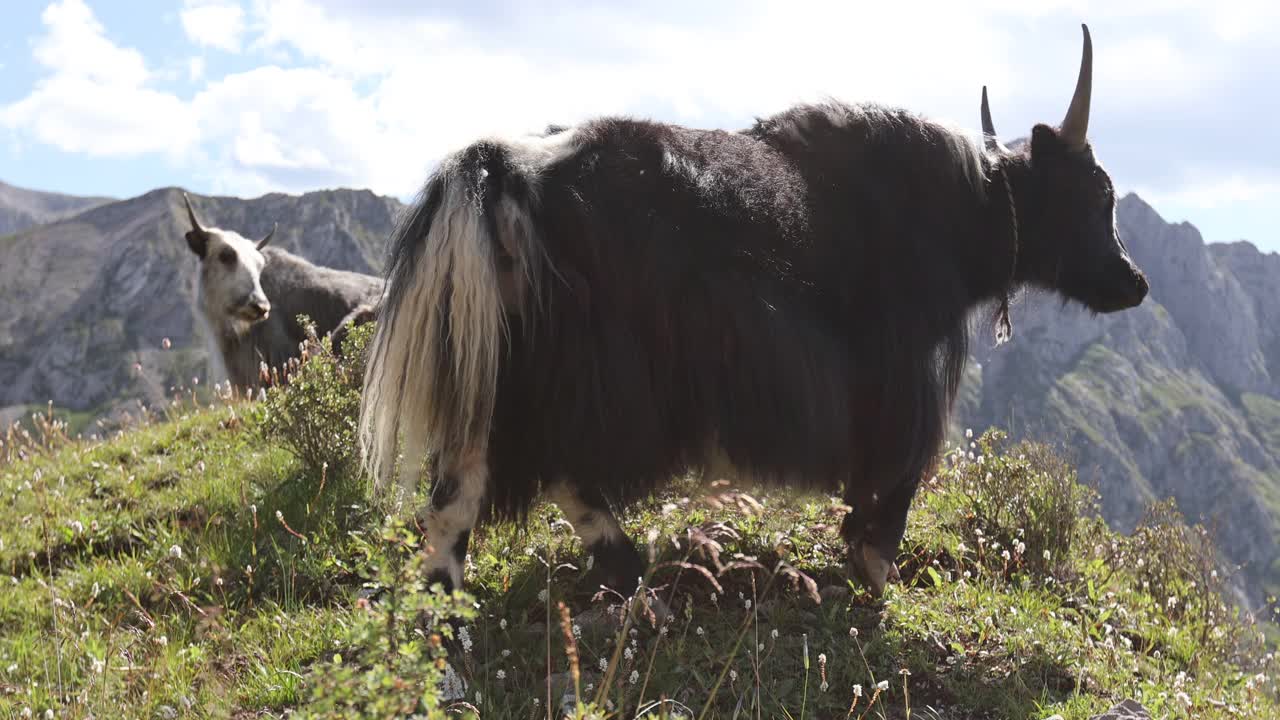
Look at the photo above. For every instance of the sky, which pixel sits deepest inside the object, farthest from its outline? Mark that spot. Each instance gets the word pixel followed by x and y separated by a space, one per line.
pixel 245 97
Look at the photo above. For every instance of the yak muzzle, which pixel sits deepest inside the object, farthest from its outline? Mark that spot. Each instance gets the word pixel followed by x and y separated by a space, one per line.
pixel 254 311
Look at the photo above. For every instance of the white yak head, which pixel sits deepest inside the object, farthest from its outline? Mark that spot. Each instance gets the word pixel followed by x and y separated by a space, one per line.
pixel 231 295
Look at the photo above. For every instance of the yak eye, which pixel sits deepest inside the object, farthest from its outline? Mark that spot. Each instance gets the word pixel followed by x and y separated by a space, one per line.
pixel 227 257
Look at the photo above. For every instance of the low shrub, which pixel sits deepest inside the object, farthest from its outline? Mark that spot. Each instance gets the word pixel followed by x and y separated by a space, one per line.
pixel 1018 507
pixel 314 413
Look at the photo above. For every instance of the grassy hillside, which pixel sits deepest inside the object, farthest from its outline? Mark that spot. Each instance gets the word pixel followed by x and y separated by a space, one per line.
pixel 198 566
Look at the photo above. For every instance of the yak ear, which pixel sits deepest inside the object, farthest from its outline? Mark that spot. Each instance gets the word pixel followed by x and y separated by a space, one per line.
pixel 198 241
pixel 263 242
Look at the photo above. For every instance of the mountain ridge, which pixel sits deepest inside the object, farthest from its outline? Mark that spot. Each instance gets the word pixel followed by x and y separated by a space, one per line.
pixel 22 208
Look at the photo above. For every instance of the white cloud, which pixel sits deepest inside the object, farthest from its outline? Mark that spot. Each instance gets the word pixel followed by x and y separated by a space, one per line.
pixel 95 99
pixel 372 95
pixel 76 45
pixel 215 23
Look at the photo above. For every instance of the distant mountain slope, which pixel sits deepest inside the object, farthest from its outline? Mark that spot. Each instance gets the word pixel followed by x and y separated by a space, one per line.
pixel 21 208
pixel 88 297
pixel 1179 397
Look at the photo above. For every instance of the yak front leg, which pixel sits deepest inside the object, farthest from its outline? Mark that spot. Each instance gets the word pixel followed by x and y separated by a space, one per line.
pixel 616 562
pixel 872 530
pixel 451 515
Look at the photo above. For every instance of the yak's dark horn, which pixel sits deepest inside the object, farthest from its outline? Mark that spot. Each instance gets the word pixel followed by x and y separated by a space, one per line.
pixel 1076 124
pixel 195 224
pixel 989 128
pixel 263 242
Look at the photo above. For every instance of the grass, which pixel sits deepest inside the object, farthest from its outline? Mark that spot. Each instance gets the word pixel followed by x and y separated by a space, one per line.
pixel 198 566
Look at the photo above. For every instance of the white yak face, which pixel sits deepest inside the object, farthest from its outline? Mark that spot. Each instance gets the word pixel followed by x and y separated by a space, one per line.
pixel 231 293
pixel 231 281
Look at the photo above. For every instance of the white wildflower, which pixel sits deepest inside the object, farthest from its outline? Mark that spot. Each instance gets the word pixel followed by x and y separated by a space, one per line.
pixel 882 685
pixel 733 676
pixel 175 551
pixel 604 664
pixel 857 691
pixel 501 674
pixel 635 677
pixel 700 632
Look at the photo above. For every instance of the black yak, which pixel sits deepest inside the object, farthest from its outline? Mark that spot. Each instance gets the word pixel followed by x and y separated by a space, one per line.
pixel 596 310
pixel 250 297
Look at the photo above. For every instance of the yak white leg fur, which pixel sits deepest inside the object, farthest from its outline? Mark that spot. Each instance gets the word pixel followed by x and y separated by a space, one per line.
pixel 593 525
pixel 452 513
pixel 617 563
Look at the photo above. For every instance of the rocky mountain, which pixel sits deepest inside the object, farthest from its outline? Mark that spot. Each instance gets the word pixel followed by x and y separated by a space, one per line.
pixel 1179 397
pixel 89 300
pixel 21 208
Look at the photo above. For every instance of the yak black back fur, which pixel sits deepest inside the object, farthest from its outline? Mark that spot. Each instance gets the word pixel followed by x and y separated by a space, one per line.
pixel 781 298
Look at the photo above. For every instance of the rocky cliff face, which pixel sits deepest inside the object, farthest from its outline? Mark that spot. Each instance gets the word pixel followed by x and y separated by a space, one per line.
pixel 21 208
pixel 1177 398
pixel 89 300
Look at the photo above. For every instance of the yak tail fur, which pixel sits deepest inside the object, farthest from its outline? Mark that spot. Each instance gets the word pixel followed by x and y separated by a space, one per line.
pixel 463 261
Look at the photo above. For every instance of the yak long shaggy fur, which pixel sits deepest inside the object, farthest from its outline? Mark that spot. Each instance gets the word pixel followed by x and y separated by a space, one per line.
pixel 294 286
pixel 624 301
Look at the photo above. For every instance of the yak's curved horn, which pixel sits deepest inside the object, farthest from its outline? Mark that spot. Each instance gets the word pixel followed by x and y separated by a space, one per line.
pixel 263 242
pixel 989 128
pixel 1076 124
pixel 191 213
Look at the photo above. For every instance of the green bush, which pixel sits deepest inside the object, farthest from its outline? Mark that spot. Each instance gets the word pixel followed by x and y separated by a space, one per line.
pixel 1019 508
pixel 392 661
pixel 315 413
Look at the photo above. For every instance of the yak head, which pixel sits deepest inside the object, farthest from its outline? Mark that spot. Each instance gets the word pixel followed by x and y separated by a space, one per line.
pixel 231 293
pixel 1065 207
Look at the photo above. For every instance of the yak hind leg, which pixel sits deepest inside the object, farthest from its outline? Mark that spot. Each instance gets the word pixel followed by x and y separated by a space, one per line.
pixel 451 515
pixel 617 563
pixel 873 531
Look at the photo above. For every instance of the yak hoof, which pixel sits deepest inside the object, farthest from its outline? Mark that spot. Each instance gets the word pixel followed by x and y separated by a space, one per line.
pixel 871 568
